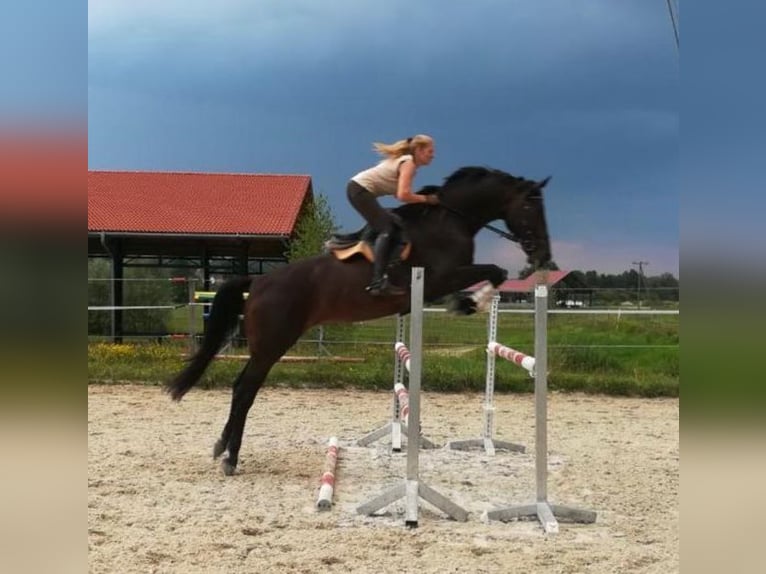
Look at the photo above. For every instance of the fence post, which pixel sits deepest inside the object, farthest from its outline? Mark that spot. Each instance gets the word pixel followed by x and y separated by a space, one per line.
pixel 190 288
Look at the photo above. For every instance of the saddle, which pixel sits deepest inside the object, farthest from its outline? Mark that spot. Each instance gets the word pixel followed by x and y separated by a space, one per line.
pixel 362 242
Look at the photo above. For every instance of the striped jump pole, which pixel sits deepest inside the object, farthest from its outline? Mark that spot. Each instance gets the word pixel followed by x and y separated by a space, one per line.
pixel 403 353
pixel 327 482
pixel 513 356
pixel 401 396
pixel 400 408
pixel 404 402
pixel 542 509
pixel 412 488
pixel 487 440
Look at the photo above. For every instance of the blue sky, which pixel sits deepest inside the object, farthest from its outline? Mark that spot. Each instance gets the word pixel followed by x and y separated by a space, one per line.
pixel 585 91
pixel 43 46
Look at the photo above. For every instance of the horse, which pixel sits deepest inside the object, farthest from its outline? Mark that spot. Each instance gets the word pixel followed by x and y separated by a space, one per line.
pixel 284 303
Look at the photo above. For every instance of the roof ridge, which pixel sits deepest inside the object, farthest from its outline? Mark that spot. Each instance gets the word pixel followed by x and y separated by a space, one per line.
pixel 205 173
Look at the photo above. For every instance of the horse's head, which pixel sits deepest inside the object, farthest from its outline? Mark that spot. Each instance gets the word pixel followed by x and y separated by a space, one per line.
pixel 480 195
pixel 525 218
pixel 483 194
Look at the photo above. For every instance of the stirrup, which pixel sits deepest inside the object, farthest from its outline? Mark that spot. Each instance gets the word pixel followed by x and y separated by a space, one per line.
pixel 383 287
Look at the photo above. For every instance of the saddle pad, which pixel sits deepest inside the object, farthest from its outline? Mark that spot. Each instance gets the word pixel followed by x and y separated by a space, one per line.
pixel 363 248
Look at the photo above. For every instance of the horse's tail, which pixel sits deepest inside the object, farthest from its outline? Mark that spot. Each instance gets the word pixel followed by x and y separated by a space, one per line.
pixel 223 319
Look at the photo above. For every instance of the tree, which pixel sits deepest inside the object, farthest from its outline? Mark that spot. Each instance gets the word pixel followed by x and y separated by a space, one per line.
pixel 314 227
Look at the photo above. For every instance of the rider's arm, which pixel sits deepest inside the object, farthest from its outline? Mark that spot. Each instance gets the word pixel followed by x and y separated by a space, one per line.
pixel 404 185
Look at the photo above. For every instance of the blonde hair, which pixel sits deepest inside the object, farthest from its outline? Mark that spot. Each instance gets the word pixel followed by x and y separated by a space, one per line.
pixel 402 147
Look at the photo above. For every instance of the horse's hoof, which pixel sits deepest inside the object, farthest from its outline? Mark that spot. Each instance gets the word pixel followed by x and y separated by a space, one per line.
pixel 482 308
pixel 227 468
pixel 218 448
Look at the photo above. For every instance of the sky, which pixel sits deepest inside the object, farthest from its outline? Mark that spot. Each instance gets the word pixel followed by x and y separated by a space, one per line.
pixel 43 48
pixel 584 91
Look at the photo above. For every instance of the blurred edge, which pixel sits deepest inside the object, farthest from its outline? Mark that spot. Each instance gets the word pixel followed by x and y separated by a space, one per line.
pixel 722 341
pixel 43 191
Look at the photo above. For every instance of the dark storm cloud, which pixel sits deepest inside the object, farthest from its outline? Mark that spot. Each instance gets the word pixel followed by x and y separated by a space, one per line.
pixel 584 91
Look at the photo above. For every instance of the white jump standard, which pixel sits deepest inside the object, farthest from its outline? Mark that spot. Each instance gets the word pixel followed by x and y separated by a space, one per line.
pixel 327 482
pixel 494 349
pixel 412 488
pixel 545 512
pixel 400 408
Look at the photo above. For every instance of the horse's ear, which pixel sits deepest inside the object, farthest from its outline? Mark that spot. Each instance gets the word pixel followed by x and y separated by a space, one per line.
pixel 541 184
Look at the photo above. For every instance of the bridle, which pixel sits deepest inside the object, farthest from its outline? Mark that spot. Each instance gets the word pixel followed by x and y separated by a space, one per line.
pixel 501 232
pixel 511 236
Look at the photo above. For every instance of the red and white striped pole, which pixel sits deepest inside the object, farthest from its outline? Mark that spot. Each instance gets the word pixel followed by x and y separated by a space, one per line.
pixel 401 391
pixel 327 482
pixel 513 356
pixel 404 402
pixel 404 354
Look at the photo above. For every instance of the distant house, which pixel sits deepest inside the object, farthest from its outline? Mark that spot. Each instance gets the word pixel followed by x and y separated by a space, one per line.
pixel 566 289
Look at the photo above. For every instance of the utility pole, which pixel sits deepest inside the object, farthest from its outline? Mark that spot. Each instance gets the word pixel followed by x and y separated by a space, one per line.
pixel 640 265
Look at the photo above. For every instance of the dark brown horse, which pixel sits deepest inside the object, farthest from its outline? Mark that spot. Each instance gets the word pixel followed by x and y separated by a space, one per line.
pixel 283 304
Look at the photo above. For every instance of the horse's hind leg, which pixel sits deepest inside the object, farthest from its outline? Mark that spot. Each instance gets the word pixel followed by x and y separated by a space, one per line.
pixel 246 387
pixel 220 444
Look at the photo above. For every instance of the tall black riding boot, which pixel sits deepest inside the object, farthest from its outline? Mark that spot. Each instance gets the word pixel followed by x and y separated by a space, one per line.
pixel 380 284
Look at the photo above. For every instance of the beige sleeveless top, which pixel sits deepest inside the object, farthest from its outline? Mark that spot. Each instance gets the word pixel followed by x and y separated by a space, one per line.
pixel 382 178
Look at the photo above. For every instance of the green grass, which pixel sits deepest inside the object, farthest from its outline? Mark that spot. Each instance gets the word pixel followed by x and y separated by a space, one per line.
pixel 634 355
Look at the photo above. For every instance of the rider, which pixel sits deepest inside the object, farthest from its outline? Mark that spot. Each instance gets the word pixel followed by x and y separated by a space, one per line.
pixel 391 176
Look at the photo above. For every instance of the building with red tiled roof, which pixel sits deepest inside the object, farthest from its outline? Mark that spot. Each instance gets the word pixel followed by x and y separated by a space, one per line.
pixel 571 290
pixel 200 218
pixel 526 285
pixel 195 203
pixel 220 223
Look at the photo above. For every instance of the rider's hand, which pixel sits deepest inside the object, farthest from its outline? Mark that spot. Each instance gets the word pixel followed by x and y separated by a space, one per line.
pixel 432 199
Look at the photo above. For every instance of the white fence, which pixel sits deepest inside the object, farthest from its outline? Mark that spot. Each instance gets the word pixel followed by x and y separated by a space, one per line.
pixel 185 320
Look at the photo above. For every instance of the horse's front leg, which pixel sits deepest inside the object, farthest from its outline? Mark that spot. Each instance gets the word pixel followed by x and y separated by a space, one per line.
pixel 467 275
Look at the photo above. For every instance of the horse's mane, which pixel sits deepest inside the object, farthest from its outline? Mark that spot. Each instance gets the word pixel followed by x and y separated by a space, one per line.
pixel 465 175
pixel 415 210
pixel 428 190
pixel 410 211
pixel 472 173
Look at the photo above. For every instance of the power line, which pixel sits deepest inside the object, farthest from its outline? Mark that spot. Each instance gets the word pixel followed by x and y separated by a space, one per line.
pixel 673 21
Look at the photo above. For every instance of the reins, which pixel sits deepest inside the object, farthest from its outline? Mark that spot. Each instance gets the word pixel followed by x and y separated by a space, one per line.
pixel 500 232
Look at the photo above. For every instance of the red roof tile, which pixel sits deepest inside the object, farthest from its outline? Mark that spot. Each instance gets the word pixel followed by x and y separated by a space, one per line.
pixel 525 285
pixel 195 203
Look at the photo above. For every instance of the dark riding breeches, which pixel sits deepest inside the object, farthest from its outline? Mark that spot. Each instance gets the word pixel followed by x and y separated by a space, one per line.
pixel 369 208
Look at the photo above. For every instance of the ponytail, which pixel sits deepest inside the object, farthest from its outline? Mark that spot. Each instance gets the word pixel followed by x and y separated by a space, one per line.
pixel 402 147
